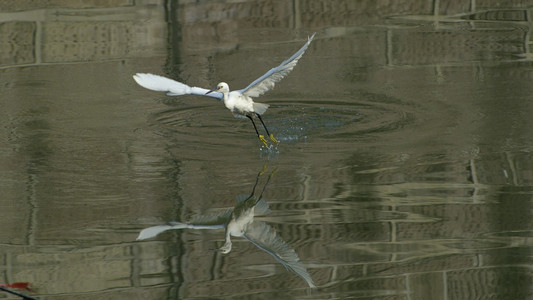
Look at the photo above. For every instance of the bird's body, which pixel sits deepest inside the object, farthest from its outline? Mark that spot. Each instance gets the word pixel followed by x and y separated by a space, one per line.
pixel 241 217
pixel 239 102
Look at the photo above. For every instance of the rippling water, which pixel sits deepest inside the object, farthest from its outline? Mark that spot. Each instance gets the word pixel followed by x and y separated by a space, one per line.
pixel 403 169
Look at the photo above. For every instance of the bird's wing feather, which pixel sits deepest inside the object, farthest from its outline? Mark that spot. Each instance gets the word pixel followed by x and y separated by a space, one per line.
pixel 172 87
pixel 265 238
pixel 216 220
pixel 266 82
pixel 154 231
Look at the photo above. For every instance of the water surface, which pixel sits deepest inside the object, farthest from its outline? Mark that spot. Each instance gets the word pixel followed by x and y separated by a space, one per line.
pixel 403 169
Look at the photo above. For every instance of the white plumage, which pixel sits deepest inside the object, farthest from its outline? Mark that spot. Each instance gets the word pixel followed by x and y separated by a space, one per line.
pixel 171 87
pixel 239 102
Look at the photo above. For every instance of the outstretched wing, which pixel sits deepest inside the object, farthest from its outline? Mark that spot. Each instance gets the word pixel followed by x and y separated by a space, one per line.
pixel 265 238
pixel 215 220
pixel 154 231
pixel 172 87
pixel 266 82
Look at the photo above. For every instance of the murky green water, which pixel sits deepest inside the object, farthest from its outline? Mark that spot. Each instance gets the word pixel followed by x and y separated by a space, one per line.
pixel 404 169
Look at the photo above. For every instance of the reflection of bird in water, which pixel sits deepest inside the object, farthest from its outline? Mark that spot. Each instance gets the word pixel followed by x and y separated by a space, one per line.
pixel 240 222
pixel 239 102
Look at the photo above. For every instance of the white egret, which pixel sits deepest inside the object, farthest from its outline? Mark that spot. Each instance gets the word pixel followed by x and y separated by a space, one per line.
pixel 239 102
pixel 240 222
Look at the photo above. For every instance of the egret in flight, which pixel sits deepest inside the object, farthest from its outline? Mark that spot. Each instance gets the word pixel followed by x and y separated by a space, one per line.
pixel 239 102
pixel 240 222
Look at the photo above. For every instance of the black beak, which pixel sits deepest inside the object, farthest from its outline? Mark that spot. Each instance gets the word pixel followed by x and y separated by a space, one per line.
pixel 210 91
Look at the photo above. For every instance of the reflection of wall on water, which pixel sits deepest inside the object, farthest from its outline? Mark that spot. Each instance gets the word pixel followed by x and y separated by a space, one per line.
pixel 91 271
pixel 40 206
pixel 66 31
pixel 63 31
pixel 58 35
pixel 447 41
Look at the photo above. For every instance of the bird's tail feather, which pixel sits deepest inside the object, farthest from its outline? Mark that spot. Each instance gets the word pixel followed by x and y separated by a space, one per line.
pixel 260 108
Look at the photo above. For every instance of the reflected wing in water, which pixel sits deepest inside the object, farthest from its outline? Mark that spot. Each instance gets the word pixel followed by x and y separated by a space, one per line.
pixel 266 239
pixel 153 231
pixel 216 220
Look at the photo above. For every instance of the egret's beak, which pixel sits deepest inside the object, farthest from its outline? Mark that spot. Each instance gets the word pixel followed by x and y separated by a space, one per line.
pixel 218 251
pixel 213 90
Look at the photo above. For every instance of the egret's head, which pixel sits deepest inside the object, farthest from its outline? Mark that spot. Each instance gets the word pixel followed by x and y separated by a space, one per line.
pixel 221 88
pixel 226 248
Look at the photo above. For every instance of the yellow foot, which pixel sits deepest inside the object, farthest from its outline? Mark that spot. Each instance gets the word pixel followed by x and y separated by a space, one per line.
pixel 265 166
pixel 273 172
pixel 273 139
pixel 262 138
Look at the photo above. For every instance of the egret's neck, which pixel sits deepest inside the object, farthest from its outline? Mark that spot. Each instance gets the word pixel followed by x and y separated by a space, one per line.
pixel 226 248
pixel 226 96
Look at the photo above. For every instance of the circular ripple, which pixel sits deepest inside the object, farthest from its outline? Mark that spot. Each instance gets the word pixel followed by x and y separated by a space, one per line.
pixel 346 119
pixel 209 124
pixel 212 125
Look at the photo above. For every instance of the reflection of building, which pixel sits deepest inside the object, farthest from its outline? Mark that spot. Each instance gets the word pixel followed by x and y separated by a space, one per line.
pixel 71 32
pixel 43 42
pixel 122 30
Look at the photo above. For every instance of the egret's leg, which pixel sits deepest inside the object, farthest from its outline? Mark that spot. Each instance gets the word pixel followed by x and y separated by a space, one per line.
pixel 261 137
pixel 264 126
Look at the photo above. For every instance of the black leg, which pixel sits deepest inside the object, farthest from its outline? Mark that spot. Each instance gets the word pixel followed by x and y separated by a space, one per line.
pixel 255 127
pixel 266 183
pixel 264 126
pixel 256 182
pixel 260 136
